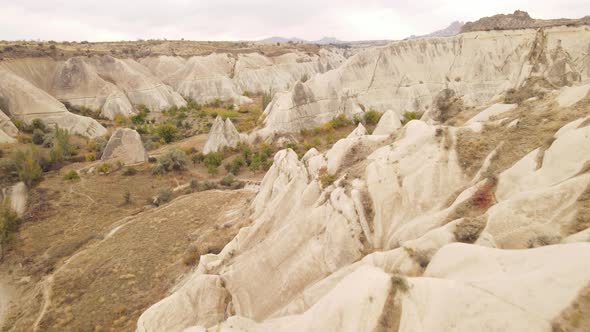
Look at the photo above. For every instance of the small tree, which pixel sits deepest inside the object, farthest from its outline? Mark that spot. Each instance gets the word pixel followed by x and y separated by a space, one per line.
pixel 27 165
pixel 167 132
pixel 8 226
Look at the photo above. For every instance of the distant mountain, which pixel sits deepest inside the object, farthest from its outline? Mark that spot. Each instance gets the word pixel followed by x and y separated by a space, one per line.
pixel 277 39
pixel 453 29
pixel 322 41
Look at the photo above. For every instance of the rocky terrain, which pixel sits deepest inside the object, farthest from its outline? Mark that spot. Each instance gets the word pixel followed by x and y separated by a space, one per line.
pixel 519 20
pixel 432 184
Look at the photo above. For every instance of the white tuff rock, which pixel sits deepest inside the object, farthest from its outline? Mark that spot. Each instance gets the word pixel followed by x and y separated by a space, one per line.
pixel 125 145
pixel 222 133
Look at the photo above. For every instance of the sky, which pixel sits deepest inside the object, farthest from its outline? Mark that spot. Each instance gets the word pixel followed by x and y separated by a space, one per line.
pixel 112 20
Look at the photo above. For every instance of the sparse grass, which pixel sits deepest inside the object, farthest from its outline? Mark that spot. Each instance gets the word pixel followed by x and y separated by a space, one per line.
pixel 325 178
pixel 8 226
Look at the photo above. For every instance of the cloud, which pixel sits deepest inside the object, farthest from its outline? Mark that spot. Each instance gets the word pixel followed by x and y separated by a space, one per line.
pixel 253 19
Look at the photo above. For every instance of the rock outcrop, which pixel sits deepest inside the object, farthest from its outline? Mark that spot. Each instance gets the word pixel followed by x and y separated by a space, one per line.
pixel 388 123
pixel 125 145
pixel 406 237
pixel 22 100
pixel 222 134
pixel 18 196
pixel 8 130
pixel 408 75
pixel 227 77
pixel 519 20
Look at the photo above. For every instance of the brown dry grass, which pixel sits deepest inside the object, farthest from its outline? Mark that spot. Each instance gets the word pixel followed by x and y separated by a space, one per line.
pixel 539 121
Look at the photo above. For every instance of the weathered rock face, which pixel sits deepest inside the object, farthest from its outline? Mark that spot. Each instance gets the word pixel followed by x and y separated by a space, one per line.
pixel 226 76
pixel 22 100
pixel 8 130
pixel 125 145
pixel 99 83
pixel 407 75
pixel 18 196
pixel 223 133
pixel 518 20
pixel 388 123
pixel 376 249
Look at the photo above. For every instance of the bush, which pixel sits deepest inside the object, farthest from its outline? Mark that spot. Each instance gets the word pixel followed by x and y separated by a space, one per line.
pixel 62 149
pixel 72 175
pixel 228 180
pixel 371 117
pixel 104 168
pixel 212 159
pixel 194 184
pixel 236 165
pixel 164 196
pixel 340 121
pixel 38 124
pixel 8 226
pixel 90 156
pixel 97 146
pixel 28 167
pixel 167 132
pixel 197 158
pixel 409 116
pixel 121 120
pixel 129 171
pixel 174 160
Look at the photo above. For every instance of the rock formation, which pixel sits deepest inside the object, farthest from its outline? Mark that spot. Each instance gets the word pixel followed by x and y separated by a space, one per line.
pixel 519 20
pixel 125 145
pixel 388 123
pixel 417 229
pixel 408 75
pixel 222 133
pixel 17 195
pixel 24 101
pixel 8 130
pixel 227 77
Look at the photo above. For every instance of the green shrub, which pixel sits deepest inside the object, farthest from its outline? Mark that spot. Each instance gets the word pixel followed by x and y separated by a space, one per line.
pixel 28 165
pixel 8 226
pixel 164 196
pixel 62 149
pixel 174 160
pixel 72 175
pixel 236 165
pixel 90 156
pixel 409 116
pixel 197 158
pixel 167 132
pixel 212 159
pixel 211 169
pixel 228 180
pixel 38 124
pixel 371 117
pixel 104 168
pixel 194 184
pixel 38 136
pixel 340 121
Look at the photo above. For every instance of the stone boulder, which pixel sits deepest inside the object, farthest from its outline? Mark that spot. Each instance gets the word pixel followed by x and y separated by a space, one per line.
pixel 223 133
pixel 125 145
pixel 388 123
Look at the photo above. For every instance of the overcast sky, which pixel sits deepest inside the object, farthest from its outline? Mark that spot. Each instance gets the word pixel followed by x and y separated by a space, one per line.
pixel 104 20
